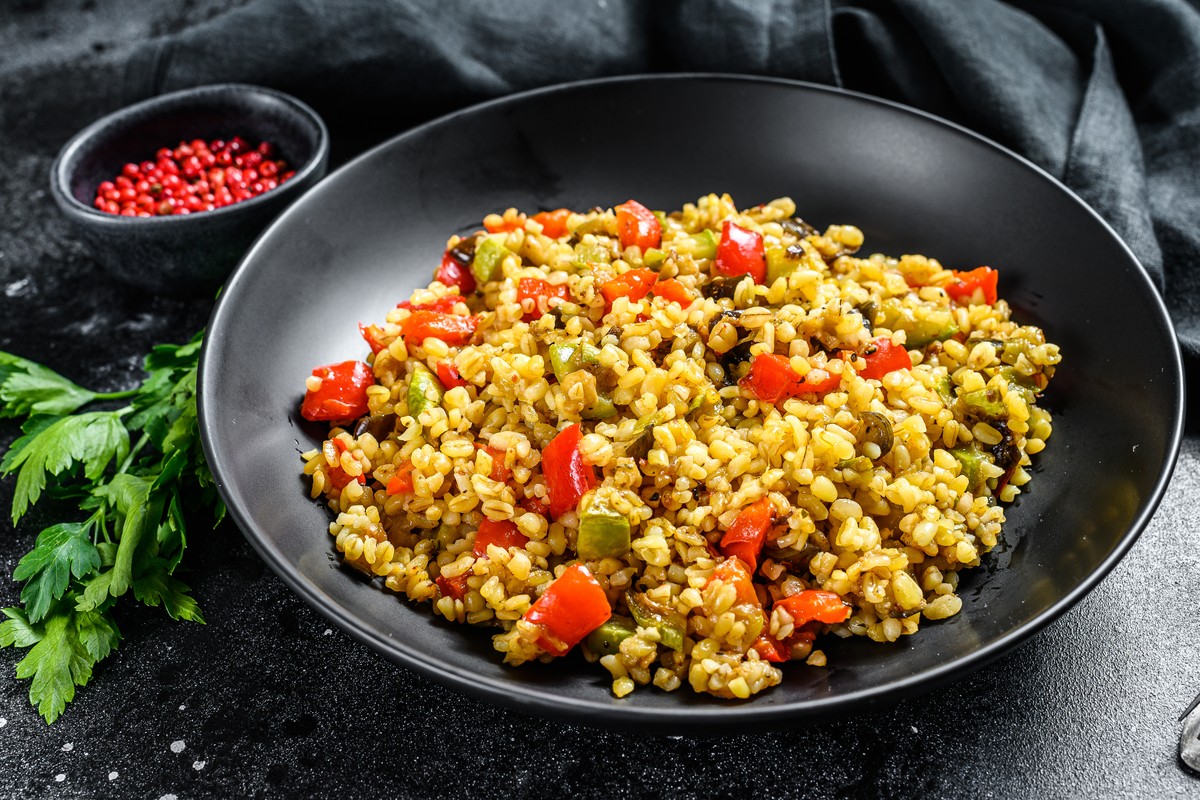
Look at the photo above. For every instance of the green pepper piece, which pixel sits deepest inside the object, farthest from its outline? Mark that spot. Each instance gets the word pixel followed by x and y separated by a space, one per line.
pixel 923 332
pixel 606 640
pixel 586 254
pixel 648 614
pixel 568 357
pixel 424 390
pixel 603 532
pixel 779 263
pixel 1021 384
pixel 488 256
pixel 984 403
pixel 971 460
pixel 704 245
pixel 643 434
pixel 945 390
pixel 653 258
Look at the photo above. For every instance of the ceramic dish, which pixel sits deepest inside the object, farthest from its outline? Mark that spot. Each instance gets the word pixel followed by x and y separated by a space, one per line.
pixel 369 234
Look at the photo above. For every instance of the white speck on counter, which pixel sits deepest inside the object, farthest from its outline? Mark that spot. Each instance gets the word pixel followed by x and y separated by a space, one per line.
pixel 3 722
pixel 112 776
pixel 329 631
pixel 177 746
pixel 914 727
pixel 168 797
pixel 60 777
pixel 181 708
pixel 68 747
pixel 199 765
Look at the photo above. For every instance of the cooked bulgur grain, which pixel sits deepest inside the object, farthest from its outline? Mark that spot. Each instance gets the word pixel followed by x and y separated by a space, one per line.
pixel 758 437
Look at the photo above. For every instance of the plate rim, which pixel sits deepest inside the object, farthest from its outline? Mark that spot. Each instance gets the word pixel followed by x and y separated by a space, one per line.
pixel 721 714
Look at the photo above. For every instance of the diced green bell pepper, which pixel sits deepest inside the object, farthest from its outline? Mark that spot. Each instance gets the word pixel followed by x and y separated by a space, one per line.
pixel 972 462
pixel 779 264
pixel 648 614
pixel 603 532
pixel 488 256
pixel 424 390
pixel 606 640
pixel 568 357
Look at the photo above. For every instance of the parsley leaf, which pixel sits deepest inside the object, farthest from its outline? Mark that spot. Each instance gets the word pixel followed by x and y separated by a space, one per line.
pixel 136 494
pixel 57 663
pixel 61 551
pixel 29 388
pixel 92 439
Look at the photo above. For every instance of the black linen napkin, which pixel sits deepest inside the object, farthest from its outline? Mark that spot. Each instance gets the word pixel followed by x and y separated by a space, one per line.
pixel 1103 94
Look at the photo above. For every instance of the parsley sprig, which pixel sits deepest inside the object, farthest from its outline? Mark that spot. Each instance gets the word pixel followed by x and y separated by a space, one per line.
pixel 134 471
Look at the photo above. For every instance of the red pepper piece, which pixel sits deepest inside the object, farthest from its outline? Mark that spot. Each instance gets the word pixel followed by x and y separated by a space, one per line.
pixel 338 478
pixel 771 649
pixel 815 605
pixel 634 284
pixel 554 223
pixel 741 252
pixel 499 471
pixel 535 504
pixel 373 334
pixel 748 533
pixel 567 477
pixel 673 291
pixel 455 587
pixel 502 534
pixel 448 375
pixel 535 289
pixel 343 392
pixel 450 328
pixel 401 481
pixel 572 606
pixel 734 571
pixel 637 225
pixel 453 272
pixel 966 284
pixel 886 358
pixel 771 379
pixel 443 305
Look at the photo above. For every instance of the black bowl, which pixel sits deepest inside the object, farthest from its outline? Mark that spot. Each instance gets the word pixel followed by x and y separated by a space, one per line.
pixel 195 252
pixel 915 184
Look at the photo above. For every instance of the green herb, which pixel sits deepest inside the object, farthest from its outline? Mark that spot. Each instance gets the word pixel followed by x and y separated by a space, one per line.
pixel 134 470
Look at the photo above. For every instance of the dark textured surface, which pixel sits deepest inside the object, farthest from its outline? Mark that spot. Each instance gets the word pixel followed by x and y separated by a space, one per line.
pixel 277 704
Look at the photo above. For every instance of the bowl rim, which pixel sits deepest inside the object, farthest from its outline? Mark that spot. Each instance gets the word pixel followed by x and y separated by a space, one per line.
pixel 720 716
pixel 60 179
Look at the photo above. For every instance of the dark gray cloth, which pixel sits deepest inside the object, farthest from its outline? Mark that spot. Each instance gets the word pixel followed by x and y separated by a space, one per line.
pixel 1103 94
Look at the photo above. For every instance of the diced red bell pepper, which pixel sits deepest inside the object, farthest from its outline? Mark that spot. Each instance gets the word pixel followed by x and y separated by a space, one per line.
pixel 673 291
pixel 572 606
pixel 637 225
pixel 634 284
pixel 734 571
pixel 338 478
pixel 984 279
pixel 771 379
pixel 502 534
pixel 373 334
pixel 535 289
pixel 499 471
pixel 815 605
pixel 748 533
pixel 448 375
pixel 343 392
pixel 453 272
pixel 567 477
pixel 505 224
pixel 443 305
pixel 741 252
pixel 886 358
pixel 771 649
pixel 450 328
pixel 554 223
pixel 455 587
pixel 401 481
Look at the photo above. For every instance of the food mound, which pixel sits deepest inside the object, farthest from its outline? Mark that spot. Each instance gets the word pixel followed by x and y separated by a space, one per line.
pixel 685 444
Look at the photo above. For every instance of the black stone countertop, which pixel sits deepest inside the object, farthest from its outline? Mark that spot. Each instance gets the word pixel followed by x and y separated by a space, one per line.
pixel 268 699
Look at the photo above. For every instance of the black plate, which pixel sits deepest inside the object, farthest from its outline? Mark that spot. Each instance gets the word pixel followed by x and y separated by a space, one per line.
pixel 374 230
